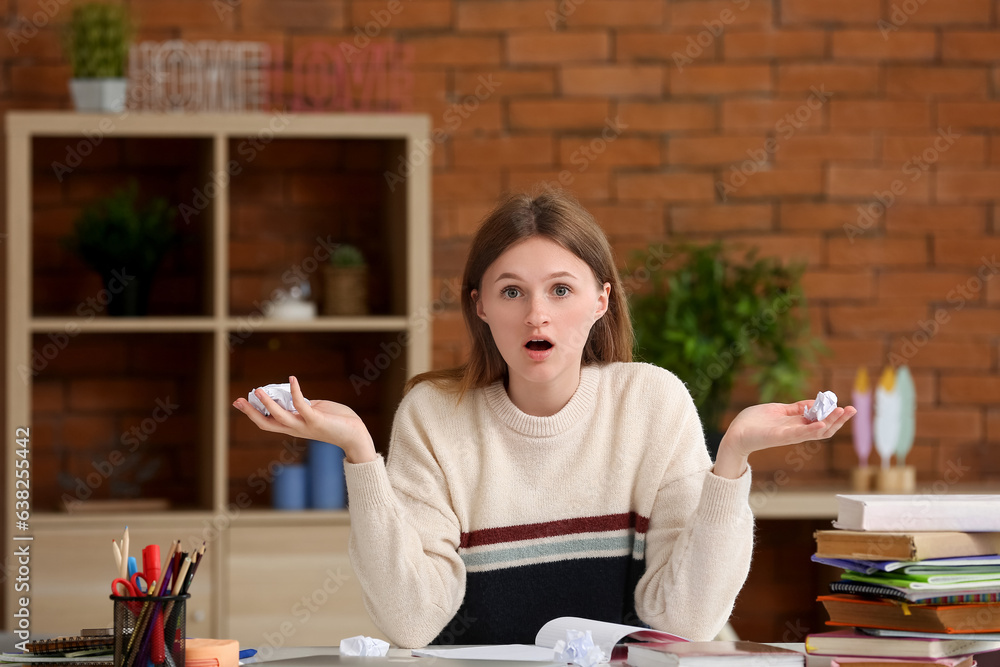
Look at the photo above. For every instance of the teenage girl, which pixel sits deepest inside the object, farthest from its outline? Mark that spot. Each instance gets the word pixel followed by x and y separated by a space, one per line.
pixel 549 475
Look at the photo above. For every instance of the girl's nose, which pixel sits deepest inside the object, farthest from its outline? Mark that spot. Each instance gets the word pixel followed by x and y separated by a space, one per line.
pixel 538 313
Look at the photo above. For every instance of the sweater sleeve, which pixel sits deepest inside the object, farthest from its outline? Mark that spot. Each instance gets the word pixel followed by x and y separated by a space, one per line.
pixel 404 538
pixel 699 541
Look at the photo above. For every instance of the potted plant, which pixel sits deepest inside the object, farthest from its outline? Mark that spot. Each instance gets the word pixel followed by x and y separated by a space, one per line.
pixel 706 314
pixel 97 42
pixel 125 244
pixel 345 282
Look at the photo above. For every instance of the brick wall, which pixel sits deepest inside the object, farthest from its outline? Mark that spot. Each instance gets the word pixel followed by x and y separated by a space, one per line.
pixel 861 137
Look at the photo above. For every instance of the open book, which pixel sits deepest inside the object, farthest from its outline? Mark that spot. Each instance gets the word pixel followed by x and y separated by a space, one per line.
pixel 605 635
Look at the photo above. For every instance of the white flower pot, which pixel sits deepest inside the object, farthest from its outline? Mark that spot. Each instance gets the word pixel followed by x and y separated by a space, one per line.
pixel 98 94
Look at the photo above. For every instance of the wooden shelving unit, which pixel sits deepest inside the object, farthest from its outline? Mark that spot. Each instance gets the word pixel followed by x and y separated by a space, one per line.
pixel 307 174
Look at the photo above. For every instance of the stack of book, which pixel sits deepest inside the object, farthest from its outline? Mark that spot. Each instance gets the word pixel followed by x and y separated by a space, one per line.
pixel 920 580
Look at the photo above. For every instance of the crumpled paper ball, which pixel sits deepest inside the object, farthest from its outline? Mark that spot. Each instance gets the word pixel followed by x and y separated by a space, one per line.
pixel 826 402
pixel 579 648
pixel 281 393
pixel 363 646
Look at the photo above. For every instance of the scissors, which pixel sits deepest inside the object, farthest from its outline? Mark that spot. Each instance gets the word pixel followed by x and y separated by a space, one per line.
pixel 132 586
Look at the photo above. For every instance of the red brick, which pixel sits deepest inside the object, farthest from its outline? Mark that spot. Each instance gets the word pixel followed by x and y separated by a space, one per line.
pixel 118 394
pixel 969 114
pixel 807 148
pixel 881 318
pixel 950 422
pixel 366 14
pixel 867 115
pixel 592 184
pixel 714 219
pixel 854 79
pixel 934 149
pixel 197 15
pixel 867 182
pixel 815 216
pixel 975 389
pixel 555 113
pixel 656 46
pixel 777 182
pixel 718 14
pixel 44 80
pixel 971 45
pixel 786 247
pixel 511 82
pixel 962 185
pixel 937 81
pixel 906 44
pixel 641 220
pixel 851 285
pixel 936 13
pixel 924 218
pixel 740 115
pixel 994 157
pixel 965 251
pixel 671 187
pixel 853 352
pixel 466 186
pixel 44 46
pixel 580 153
pixel 454 50
pixel 830 11
pixel 877 252
pixel 505 14
pixel 774 44
pixel 484 152
pixel 667 116
pixel 918 286
pixel 937 353
pixel 974 322
pixel 470 116
pixel 715 79
pixel 612 80
pixel 543 47
pixel 47 397
pixel 993 425
pixel 615 13
pixel 718 149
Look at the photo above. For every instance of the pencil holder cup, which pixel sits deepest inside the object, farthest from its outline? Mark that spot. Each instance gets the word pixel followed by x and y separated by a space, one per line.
pixel 150 629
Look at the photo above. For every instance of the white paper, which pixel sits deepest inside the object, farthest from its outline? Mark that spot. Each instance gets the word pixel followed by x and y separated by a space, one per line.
pixel 363 646
pixel 280 393
pixel 825 403
pixel 579 649
pixel 605 636
pixel 523 652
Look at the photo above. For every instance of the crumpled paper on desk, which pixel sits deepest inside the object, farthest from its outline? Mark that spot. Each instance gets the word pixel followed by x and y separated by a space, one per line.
pixel 579 649
pixel 826 402
pixel 363 646
pixel 281 393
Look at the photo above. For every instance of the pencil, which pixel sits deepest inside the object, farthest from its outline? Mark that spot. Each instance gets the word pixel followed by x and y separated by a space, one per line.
pixel 118 555
pixel 124 567
pixel 164 576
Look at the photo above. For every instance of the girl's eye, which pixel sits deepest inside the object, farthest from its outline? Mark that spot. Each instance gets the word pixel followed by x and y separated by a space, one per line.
pixel 510 292
pixel 562 290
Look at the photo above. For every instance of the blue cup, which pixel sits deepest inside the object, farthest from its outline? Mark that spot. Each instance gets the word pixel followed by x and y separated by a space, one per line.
pixel 327 486
pixel 290 488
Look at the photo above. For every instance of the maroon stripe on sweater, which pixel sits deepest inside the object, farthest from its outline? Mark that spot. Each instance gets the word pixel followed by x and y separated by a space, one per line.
pixel 531 531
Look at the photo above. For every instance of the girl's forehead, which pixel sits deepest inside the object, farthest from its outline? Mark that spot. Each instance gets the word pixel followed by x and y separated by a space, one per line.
pixel 538 255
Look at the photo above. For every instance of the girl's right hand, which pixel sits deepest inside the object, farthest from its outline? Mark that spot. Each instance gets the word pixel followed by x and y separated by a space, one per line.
pixel 316 420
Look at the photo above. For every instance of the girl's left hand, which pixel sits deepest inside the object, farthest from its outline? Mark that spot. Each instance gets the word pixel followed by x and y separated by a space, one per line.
pixel 773 425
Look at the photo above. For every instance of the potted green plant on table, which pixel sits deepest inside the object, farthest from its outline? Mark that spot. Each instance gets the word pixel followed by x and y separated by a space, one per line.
pixel 97 43
pixel 706 314
pixel 125 243
pixel 345 282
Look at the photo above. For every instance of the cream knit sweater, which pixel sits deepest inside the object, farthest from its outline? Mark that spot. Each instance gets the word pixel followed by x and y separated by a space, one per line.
pixel 486 522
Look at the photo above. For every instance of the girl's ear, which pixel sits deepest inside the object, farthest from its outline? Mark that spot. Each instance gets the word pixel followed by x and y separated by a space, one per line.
pixel 603 301
pixel 479 305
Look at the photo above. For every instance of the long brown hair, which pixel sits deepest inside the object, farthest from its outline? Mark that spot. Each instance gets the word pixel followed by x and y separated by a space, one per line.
pixel 559 217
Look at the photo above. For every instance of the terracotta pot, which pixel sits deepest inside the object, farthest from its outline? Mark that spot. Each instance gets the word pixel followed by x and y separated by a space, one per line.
pixel 345 290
